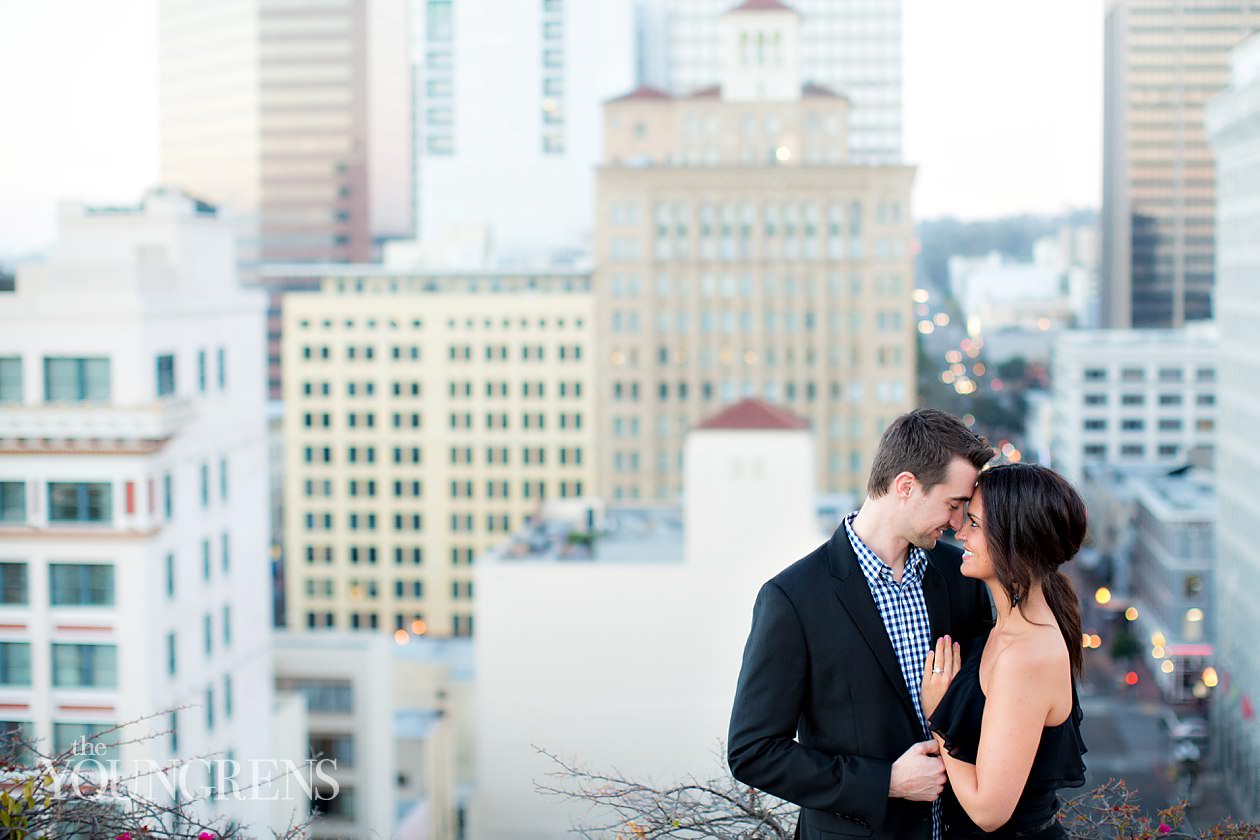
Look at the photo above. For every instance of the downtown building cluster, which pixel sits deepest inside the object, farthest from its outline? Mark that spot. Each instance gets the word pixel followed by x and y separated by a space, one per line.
pixel 538 296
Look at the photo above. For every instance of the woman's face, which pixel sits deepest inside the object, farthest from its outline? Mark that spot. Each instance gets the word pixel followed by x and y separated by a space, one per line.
pixel 976 562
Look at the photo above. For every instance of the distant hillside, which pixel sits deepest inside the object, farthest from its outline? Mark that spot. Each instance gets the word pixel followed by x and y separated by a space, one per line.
pixel 1013 237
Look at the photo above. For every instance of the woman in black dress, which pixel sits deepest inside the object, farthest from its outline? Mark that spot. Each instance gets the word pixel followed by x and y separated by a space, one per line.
pixel 1007 719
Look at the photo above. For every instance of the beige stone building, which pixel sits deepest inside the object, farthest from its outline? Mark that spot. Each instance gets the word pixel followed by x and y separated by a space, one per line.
pixel 427 416
pixel 740 255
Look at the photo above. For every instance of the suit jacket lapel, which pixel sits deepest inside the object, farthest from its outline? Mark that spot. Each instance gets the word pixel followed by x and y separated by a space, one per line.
pixel 936 596
pixel 855 596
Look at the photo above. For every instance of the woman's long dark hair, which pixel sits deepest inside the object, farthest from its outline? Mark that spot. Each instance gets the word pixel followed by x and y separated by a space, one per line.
pixel 1034 522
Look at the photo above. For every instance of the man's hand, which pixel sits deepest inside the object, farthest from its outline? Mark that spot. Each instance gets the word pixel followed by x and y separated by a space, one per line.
pixel 919 774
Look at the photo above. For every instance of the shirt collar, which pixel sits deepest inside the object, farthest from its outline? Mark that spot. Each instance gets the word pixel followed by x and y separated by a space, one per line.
pixel 875 569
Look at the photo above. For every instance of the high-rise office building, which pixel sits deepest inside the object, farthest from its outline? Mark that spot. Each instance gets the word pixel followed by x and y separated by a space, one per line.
pixel 133 494
pixel 849 46
pixel 293 116
pixel 1163 61
pixel 741 255
pixel 507 118
pixel 427 416
pixel 1233 118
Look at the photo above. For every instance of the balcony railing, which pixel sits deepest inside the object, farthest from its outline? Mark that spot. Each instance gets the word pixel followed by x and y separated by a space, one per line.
pixel 94 421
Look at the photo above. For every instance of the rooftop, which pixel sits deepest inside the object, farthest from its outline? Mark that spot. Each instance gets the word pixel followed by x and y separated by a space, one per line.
pixel 625 535
pixel 753 414
pixel 763 6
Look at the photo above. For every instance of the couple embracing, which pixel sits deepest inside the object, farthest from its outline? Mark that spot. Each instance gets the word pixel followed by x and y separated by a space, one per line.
pixel 895 687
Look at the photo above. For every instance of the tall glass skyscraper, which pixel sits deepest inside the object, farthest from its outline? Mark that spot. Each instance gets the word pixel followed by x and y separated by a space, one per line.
pixel 1164 59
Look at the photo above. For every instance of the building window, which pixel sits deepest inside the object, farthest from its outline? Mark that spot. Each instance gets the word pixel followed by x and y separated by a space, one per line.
pixel 81 584
pixel 172 648
pixel 10 379
pixel 201 371
pixel 339 748
pixel 13 584
pixel 85 666
pixel 15 663
pixel 1095 424
pixel 170 575
pixel 80 502
pixel 67 735
pixel 165 375
pixel 76 379
pixel 222 368
pixel 12 501
pixel 1132 424
pixel 1095 374
pixel 322 696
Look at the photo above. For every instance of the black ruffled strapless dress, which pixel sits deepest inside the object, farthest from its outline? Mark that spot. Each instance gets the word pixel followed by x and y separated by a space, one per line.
pixel 1057 763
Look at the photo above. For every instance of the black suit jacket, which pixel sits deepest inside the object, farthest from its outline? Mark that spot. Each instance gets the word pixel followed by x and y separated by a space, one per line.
pixel 821 709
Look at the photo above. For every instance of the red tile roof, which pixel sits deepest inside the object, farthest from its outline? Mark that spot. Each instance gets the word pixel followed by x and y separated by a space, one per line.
pixel 763 6
pixel 711 92
pixel 642 92
pixel 754 414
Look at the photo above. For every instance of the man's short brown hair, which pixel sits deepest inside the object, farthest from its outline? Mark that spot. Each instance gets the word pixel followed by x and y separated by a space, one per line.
pixel 924 442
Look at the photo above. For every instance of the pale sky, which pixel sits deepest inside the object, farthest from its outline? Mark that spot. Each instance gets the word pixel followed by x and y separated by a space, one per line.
pixel 1003 107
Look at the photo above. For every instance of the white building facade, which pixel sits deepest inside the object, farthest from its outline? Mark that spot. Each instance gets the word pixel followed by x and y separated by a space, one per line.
pixel 133 474
pixel 507 119
pixel 649 652
pixel 852 47
pixel 1234 124
pixel 1133 397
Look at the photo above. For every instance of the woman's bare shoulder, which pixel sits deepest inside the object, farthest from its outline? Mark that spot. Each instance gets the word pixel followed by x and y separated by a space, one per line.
pixel 1038 655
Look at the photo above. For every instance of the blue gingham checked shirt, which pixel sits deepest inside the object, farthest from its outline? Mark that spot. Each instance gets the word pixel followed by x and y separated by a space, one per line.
pixel 904 611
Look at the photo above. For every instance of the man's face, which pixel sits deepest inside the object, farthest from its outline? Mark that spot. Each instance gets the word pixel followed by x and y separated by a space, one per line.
pixel 930 513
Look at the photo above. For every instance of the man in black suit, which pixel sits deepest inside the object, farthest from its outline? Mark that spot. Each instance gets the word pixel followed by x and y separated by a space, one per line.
pixel 827 710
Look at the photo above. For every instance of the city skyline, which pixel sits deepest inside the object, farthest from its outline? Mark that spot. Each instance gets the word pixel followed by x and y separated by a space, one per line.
pixel 1027 141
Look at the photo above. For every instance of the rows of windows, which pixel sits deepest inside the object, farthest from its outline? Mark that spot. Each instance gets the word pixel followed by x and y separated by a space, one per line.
pixel 1138 424
pixel 1164 400
pixel 730 322
pixel 404 588
pixel 461 625
pixel 731 286
pixel 92 502
pixel 364 555
pixel 89 378
pixel 1137 451
pixel 73 665
pixel 1202 375
pixel 417 324
pixel 889 391
pixel 454 353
